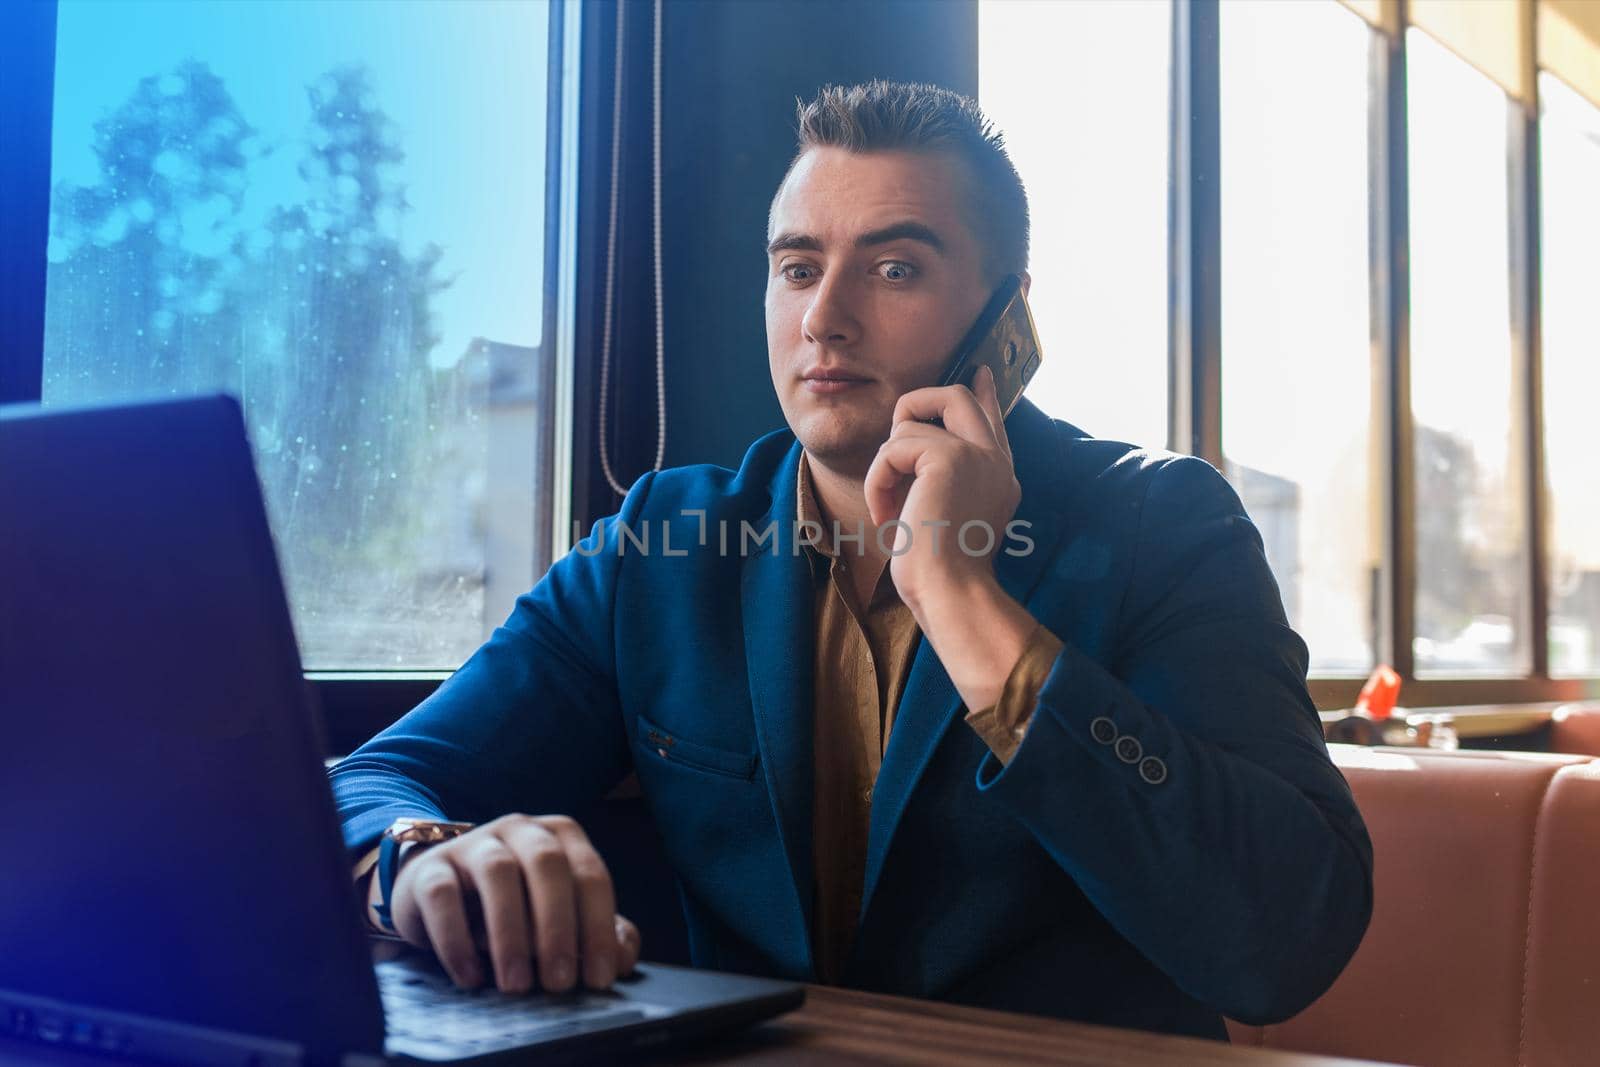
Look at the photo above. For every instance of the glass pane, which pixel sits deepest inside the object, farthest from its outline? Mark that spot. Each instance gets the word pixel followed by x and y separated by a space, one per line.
pixel 1471 563
pixel 1096 175
pixel 322 236
pixel 1297 382
pixel 1570 169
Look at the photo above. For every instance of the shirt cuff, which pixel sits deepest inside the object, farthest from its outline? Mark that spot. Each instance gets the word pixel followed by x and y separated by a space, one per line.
pixel 1004 724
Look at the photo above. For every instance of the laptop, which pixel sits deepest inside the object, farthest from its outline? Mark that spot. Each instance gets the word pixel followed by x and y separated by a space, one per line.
pixel 175 887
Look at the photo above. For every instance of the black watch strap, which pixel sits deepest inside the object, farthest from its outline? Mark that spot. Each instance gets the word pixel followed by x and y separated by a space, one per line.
pixel 391 851
pixel 388 869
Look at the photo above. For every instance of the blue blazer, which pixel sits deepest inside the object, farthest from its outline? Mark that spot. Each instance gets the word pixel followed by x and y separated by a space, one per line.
pixel 1066 882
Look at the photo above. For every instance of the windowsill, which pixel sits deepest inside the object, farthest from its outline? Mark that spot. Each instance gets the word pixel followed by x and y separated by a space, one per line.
pixel 378 676
pixel 1481 720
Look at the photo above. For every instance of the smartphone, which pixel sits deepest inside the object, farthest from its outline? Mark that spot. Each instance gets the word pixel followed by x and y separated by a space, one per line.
pixel 1004 338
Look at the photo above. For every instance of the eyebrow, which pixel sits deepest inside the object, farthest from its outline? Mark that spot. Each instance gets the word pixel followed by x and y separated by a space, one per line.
pixel 908 231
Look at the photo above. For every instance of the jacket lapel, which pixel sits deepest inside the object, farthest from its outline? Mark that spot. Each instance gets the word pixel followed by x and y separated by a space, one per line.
pixel 779 641
pixel 929 704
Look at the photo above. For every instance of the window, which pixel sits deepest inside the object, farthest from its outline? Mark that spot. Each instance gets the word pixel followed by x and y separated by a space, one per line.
pixel 1570 173
pixel 1471 542
pixel 323 236
pixel 1081 91
pixel 1298 430
pixel 326 238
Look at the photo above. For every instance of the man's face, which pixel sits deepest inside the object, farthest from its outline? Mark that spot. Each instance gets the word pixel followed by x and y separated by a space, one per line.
pixel 874 275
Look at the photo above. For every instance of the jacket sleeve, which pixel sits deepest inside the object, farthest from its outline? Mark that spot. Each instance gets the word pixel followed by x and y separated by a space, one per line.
pixel 1206 822
pixel 530 723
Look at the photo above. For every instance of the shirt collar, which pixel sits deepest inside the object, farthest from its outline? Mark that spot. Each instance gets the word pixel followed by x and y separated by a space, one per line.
pixel 808 510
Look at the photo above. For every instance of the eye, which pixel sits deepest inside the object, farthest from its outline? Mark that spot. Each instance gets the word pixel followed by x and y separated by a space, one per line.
pixel 788 269
pixel 894 270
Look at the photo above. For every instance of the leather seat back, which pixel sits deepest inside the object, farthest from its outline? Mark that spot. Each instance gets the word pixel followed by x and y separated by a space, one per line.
pixel 1484 945
pixel 1576 728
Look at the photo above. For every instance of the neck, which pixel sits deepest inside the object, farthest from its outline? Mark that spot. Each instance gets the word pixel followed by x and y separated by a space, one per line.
pixel 842 498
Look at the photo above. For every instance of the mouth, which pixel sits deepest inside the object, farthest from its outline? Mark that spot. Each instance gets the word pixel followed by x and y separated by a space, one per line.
pixel 832 380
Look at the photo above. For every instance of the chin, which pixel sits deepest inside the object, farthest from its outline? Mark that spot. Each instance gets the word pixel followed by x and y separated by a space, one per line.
pixel 843 444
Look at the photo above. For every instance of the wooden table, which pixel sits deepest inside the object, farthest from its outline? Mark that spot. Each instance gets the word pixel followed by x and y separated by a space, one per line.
pixel 842 1026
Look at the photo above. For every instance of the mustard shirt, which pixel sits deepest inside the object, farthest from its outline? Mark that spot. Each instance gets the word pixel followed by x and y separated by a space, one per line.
pixel 863 655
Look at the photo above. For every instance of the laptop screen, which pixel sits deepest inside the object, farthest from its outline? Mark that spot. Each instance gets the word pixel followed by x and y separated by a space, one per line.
pixel 170 845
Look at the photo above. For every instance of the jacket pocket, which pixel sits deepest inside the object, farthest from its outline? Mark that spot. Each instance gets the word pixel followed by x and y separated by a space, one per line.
pixel 670 747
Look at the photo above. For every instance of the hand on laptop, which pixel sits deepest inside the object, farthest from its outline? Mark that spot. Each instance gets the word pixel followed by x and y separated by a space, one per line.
pixel 535 891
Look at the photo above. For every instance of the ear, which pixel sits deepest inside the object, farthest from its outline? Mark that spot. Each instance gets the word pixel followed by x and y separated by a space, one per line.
pixel 1027 280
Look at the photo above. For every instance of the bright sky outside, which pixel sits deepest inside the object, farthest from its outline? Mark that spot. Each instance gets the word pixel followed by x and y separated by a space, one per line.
pixel 1570 142
pixel 463 81
pixel 1092 152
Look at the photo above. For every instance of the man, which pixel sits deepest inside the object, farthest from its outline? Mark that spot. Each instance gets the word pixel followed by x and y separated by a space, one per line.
pixel 1134 822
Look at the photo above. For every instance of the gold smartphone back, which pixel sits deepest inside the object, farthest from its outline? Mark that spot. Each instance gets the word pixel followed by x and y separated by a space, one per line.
pixel 1011 349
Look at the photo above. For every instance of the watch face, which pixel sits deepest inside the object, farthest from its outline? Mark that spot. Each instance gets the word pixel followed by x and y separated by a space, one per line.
pixel 426 830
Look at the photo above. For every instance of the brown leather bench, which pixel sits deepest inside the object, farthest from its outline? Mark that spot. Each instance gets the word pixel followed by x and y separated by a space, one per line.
pixel 1576 728
pixel 1484 946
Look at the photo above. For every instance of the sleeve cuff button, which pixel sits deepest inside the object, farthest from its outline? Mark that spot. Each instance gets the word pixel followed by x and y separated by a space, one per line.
pixel 1153 770
pixel 1103 730
pixel 1128 749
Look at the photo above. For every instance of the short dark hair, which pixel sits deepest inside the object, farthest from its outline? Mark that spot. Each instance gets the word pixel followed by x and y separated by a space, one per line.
pixel 915 116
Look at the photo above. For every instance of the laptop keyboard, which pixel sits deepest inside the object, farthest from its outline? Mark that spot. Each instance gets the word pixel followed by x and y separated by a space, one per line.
pixel 425 1014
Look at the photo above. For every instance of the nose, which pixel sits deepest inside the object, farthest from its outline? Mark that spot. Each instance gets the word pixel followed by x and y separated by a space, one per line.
pixel 830 319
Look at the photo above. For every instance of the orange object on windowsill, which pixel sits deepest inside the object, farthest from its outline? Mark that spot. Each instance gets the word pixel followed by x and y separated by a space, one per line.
pixel 1379 695
pixel 1371 721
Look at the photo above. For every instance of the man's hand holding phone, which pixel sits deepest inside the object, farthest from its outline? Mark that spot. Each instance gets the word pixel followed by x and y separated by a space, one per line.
pixel 950 485
pixel 953 489
pixel 528 890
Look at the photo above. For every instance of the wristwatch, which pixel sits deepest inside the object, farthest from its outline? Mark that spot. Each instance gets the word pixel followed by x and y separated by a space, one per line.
pixel 403 832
